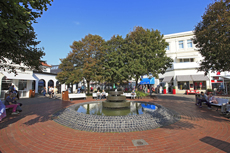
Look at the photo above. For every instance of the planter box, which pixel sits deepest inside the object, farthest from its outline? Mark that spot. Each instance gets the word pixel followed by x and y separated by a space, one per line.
pixel 174 91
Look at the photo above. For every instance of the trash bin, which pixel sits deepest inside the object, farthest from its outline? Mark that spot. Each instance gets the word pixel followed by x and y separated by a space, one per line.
pixel 33 93
pixel 30 94
pixel 65 95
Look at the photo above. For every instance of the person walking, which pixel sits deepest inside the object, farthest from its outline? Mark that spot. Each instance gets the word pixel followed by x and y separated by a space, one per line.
pixel 51 92
pixel 151 90
pixel 55 92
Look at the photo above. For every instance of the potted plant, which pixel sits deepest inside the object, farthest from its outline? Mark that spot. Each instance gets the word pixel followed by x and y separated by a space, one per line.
pixel 208 91
pixel 164 90
pixel 174 90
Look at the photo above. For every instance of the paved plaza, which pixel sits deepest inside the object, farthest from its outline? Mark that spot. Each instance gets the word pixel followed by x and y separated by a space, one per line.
pixel 34 131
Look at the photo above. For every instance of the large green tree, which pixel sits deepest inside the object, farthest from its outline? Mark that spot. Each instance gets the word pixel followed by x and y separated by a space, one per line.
pixel 17 36
pixel 212 37
pixel 85 60
pixel 146 53
pixel 114 60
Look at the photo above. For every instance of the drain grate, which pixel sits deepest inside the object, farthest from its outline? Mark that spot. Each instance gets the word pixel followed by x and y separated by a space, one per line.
pixel 139 142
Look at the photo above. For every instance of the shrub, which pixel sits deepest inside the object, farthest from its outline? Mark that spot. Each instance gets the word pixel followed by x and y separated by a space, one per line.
pixel 209 90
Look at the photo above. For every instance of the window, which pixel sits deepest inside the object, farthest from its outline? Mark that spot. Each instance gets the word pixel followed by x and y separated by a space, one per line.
pixel 183 85
pixel 189 43
pixel 22 85
pixel 6 83
pixel 185 60
pixel 199 85
pixel 181 44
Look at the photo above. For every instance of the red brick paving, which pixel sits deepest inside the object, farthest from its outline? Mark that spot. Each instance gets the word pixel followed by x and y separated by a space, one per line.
pixel 33 131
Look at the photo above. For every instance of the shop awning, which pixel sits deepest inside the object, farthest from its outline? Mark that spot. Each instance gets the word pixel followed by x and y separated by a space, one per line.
pixel 184 78
pixel 20 76
pixel 148 81
pixel 167 79
pixel 199 77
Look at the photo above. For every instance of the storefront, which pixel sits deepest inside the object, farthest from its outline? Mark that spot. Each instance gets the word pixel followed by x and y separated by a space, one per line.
pixel 23 82
pixel 191 82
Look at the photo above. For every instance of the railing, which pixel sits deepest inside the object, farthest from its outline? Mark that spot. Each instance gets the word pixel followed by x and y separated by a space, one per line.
pixel 187 65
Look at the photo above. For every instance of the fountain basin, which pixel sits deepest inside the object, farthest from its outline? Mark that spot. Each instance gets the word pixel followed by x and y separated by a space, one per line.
pixel 98 123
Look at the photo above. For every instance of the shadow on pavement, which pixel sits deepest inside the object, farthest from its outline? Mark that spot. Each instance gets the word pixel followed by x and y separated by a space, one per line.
pixel 188 98
pixel 190 115
pixel 219 144
pixel 39 109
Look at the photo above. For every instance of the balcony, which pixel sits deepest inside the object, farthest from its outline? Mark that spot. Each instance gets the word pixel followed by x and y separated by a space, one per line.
pixel 188 65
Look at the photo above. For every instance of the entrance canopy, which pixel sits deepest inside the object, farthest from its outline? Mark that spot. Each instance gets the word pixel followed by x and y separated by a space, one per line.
pixel 148 81
pixel 199 77
pixel 192 78
pixel 167 79
pixel 19 76
pixel 184 78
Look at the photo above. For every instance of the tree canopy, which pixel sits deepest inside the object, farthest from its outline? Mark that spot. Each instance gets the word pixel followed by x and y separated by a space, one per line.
pixel 114 60
pixel 146 53
pixel 17 36
pixel 141 52
pixel 85 60
pixel 212 37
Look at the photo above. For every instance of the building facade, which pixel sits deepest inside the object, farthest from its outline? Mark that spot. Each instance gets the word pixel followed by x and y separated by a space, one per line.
pixel 186 59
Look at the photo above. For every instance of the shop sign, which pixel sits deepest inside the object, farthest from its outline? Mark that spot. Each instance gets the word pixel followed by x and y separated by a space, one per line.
pixel 216 81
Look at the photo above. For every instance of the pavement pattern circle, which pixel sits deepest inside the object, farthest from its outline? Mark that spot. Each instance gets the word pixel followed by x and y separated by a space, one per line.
pixel 33 131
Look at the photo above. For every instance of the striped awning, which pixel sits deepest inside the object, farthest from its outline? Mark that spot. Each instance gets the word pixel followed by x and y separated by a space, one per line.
pixel 167 79
pixel 184 78
pixel 199 77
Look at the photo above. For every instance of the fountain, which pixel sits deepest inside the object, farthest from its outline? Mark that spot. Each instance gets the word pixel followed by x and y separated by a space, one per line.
pixel 116 100
pixel 115 115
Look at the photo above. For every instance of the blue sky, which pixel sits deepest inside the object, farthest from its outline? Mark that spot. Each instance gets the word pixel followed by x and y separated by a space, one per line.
pixel 67 21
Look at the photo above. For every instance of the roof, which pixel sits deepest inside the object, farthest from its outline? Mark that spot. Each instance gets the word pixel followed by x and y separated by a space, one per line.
pixel 44 64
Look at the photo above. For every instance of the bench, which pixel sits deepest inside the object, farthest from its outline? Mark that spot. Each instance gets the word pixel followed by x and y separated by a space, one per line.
pixel 79 95
pixel 129 95
pixel 192 92
pixel 221 104
pixel 94 95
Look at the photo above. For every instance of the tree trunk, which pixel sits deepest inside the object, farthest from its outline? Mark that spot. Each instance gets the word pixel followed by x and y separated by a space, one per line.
pixel 136 79
pixel 87 86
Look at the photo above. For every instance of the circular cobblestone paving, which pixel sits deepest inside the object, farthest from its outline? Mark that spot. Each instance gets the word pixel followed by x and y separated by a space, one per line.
pixel 96 123
pixel 199 130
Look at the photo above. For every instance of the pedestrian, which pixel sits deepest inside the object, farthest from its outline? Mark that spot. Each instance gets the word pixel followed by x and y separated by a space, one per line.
pixel 151 90
pixel 51 92
pixel 55 92
pixel 44 91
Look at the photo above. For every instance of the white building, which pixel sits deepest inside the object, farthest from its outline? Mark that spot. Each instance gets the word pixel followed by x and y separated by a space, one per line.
pixel 28 80
pixel 183 74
